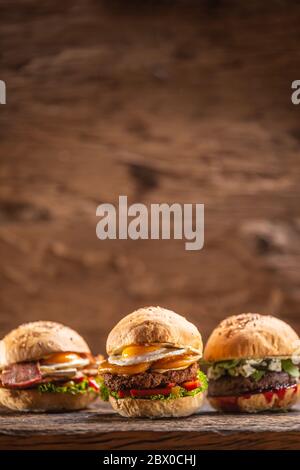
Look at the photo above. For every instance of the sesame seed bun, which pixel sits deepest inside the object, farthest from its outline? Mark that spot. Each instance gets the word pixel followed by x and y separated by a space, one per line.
pixel 32 341
pixel 153 325
pixel 251 335
pixel 34 401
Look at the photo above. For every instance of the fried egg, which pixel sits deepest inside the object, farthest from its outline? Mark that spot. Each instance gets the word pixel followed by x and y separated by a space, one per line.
pixel 62 361
pixel 138 354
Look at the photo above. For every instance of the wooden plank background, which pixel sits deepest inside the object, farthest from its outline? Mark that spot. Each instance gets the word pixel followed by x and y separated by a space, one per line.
pixel 164 101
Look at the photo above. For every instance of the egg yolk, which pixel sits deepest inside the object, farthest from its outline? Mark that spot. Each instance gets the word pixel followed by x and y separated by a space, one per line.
pixel 61 358
pixel 123 370
pixel 136 350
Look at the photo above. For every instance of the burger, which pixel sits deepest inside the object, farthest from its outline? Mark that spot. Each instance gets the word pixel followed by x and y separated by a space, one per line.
pixel 46 366
pixel 253 364
pixel 152 368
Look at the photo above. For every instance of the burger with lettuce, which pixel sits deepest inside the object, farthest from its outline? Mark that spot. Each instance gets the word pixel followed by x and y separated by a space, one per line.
pixel 46 366
pixel 253 364
pixel 152 368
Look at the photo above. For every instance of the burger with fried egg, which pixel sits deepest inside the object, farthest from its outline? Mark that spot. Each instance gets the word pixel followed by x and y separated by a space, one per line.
pixel 46 366
pixel 152 368
pixel 253 364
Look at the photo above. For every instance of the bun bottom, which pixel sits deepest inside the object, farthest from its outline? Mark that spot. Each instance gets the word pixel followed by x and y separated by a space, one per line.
pixel 141 408
pixel 34 401
pixel 272 400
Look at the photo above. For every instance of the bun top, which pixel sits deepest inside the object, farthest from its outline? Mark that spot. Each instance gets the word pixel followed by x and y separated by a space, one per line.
pixel 251 335
pixel 35 340
pixel 153 325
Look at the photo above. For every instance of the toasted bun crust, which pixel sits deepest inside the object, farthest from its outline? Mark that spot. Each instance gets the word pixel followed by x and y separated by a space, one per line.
pixel 153 325
pixel 32 341
pixel 251 335
pixel 32 400
pixel 257 402
pixel 139 408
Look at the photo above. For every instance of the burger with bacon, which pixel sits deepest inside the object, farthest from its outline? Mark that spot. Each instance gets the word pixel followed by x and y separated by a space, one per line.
pixel 46 366
pixel 253 364
pixel 152 368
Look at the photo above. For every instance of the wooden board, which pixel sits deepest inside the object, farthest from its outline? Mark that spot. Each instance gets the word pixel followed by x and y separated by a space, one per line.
pixel 100 428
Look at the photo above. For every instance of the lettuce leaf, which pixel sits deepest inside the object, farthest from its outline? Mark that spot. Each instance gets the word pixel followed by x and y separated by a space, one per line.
pixel 104 392
pixel 290 368
pixel 253 368
pixel 258 374
pixel 203 380
pixel 113 394
pixel 228 364
pixel 70 387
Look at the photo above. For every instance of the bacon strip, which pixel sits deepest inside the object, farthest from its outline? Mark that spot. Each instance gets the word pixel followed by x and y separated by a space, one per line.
pixel 22 375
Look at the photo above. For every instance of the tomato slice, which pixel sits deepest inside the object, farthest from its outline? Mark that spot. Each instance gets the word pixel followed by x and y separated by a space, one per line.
pixel 146 392
pixel 123 393
pixel 93 384
pixel 79 379
pixel 191 384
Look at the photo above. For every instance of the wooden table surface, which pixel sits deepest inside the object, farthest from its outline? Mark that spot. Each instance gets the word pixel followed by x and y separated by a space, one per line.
pixel 100 428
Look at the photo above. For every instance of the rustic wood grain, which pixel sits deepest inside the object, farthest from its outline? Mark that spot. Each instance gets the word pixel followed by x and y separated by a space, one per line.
pixel 100 428
pixel 166 102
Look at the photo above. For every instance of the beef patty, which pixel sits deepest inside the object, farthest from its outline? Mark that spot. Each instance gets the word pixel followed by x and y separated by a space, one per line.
pixel 233 386
pixel 149 379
